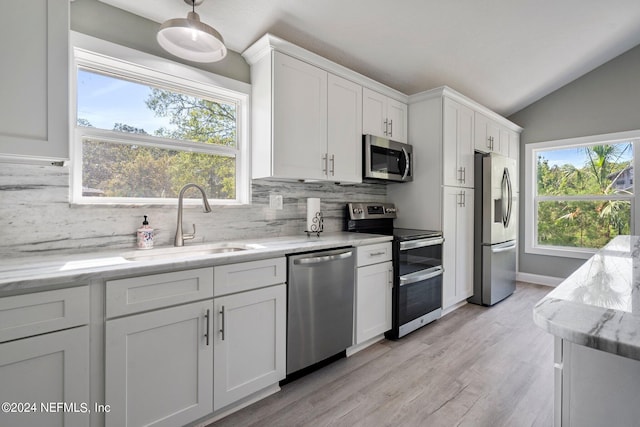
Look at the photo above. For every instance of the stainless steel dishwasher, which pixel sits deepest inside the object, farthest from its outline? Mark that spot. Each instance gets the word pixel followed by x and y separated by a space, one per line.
pixel 320 306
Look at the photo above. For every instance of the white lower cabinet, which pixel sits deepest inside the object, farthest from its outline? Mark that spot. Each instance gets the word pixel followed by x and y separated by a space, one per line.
pixel 46 370
pixel 374 287
pixel 457 257
pixel 159 366
pixel 179 363
pixel 373 300
pixel 249 343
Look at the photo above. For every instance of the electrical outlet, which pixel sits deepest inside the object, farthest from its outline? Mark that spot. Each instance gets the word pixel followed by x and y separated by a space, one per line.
pixel 275 201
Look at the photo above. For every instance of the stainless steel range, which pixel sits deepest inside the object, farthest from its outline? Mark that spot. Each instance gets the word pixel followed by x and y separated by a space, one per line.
pixel 417 265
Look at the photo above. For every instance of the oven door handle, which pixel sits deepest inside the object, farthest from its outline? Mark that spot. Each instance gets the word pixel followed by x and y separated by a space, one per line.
pixel 413 244
pixel 419 276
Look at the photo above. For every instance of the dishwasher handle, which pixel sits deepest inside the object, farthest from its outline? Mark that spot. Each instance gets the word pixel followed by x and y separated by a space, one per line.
pixel 325 258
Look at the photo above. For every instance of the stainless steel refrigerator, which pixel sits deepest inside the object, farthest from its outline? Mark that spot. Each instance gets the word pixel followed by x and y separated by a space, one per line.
pixel 495 231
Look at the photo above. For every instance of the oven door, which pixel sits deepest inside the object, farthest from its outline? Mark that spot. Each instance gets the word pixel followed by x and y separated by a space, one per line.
pixel 419 293
pixel 420 254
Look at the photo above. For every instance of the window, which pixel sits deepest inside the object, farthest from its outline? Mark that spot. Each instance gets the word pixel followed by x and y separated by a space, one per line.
pixel 145 127
pixel 579 193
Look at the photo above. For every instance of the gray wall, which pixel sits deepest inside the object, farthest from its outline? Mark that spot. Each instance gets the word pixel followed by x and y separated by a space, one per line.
pixel 105 22
pixel 606 100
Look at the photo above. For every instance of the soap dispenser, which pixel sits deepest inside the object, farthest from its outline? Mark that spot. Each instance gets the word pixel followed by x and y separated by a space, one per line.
pixel 145 235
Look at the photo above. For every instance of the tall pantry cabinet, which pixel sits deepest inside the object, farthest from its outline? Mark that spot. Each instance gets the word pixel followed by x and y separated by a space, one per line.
pixel 442 129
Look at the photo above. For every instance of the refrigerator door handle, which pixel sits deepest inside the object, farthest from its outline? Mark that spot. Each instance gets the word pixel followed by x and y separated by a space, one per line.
pixel 505 187
pixel 501 248
pixel 510 196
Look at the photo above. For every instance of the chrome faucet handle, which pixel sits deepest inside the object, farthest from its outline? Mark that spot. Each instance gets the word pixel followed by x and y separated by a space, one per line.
pixel 189 236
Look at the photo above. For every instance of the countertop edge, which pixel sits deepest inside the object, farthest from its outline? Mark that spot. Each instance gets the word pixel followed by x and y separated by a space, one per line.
pixel 595 327
pixel 50 275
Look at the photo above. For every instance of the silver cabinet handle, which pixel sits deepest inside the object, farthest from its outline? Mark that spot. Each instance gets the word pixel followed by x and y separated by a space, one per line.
pixel 372 254
pixel 413 244
pixel 222 324
pixel 463 199
pixel 419 276
pixel 460 174
pixel 386 127
pixel 321 259
pixel 326 163
pixel 391 126
pixel 206 316
pixel 333 164
pixel 390 276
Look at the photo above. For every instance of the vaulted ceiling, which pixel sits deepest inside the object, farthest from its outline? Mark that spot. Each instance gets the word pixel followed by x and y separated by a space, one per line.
pixel 505 54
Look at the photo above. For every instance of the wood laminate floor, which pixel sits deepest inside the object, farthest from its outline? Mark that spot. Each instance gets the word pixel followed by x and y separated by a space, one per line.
pixel 477 366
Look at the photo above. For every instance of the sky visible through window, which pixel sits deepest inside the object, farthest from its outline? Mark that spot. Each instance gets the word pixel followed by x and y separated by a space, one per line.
pixel 104 101
pixel 575 156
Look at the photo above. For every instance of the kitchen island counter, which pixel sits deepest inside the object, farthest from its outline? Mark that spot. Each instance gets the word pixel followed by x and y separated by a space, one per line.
pixel 598 306
pixel 595 318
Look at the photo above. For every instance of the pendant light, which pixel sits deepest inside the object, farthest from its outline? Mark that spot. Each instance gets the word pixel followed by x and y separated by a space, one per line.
pixel 191 39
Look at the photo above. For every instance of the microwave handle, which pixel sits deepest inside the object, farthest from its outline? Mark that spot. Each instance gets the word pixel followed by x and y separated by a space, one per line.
pixel 407 164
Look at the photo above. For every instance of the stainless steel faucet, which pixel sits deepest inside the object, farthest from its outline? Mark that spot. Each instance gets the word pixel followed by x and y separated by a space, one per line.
pixel 180 236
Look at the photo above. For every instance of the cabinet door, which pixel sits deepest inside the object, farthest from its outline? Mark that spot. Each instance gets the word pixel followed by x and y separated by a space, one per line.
pixel 464 246
pixel 249 343
pixel 34 80
pixel 374 113
pixel 514 146
pixel 457 251
pixel 503 146
pixel 43 369
pixel 159 366
pixel 373 300
pixel 397 120
pixel 299 119
pixel 487 134
pixel 457 144
pixel 344 130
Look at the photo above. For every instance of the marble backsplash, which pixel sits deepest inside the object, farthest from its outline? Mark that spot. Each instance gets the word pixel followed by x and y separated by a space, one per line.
pixel 37 219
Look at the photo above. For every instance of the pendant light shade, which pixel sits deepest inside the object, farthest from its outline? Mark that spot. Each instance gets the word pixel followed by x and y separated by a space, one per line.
pixel 191 39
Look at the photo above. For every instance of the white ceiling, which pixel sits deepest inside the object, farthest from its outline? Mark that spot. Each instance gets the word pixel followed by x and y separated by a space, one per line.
pixel 505 54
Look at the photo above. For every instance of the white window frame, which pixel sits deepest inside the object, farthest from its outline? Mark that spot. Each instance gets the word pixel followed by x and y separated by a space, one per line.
pixel 531 197
pixel 101 56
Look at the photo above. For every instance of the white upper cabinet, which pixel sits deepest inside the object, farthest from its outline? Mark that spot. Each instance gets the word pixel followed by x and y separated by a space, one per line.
pixel 34 80
pixel 344 142
pixel 299 119
pixel 383 116
pixel 316 123
pixel 308 114
pixel 490 136
pixel 457 140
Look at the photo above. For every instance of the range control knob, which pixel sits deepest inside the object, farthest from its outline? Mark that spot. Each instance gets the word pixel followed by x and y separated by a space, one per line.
pixel 357 210
pixel 390 210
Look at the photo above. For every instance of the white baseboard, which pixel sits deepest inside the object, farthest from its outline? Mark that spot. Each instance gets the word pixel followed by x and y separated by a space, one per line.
pixel 538 279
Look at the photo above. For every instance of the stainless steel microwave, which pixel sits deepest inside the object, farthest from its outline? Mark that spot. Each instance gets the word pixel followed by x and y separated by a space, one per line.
pixel 386 160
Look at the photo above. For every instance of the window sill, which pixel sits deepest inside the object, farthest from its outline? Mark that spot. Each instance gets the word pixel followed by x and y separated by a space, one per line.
pixel 563 252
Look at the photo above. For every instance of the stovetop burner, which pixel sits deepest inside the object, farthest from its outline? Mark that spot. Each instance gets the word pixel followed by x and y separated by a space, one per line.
pixel 377 218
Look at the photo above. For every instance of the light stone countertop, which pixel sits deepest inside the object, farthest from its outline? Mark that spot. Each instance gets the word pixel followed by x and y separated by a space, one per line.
pixel 36 274
pixel 598 306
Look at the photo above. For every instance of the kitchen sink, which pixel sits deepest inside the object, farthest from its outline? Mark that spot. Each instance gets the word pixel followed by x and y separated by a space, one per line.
pixel 188 251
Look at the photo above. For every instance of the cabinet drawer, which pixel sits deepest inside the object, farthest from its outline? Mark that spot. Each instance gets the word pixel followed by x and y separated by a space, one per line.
pixel 244 276
pixel 40 312
pixel 372 254
pixel 127 296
